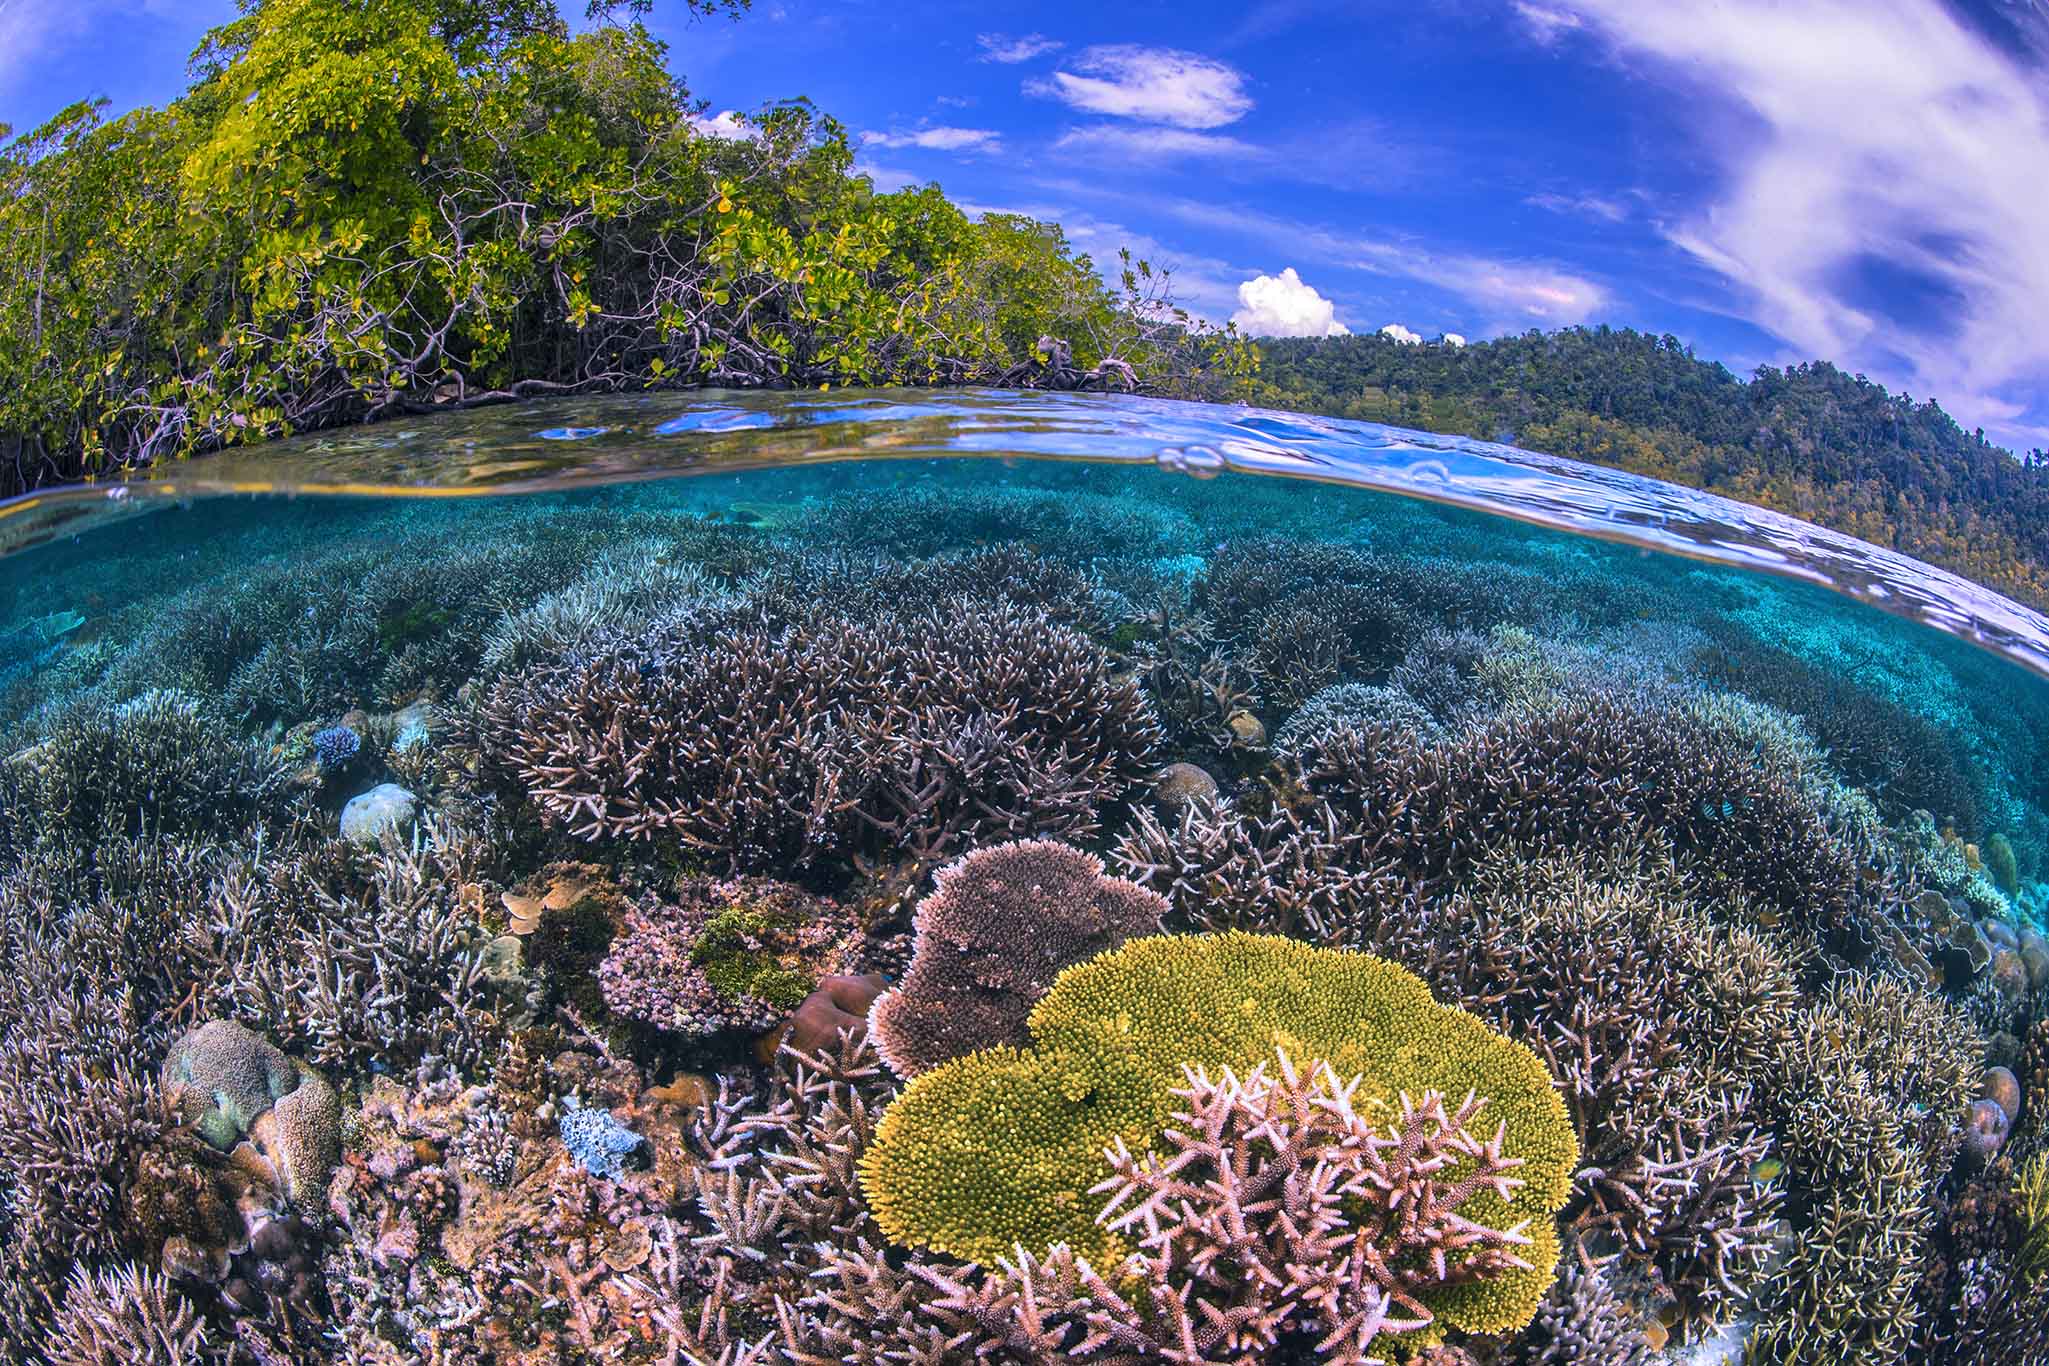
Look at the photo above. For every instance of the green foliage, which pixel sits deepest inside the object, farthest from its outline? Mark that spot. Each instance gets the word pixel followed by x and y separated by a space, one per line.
pixel 397 204
pixel 1001 1147
pixel 1807 440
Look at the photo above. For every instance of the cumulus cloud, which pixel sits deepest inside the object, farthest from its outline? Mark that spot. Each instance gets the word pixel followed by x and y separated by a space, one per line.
pixel 1396 332
pixel 729 124
pixel 1880 195
pixel 1000 47
pixel 939 139
pixel 1143 143
pixel 1152 84
pixel 1454 339
pixel 1284 306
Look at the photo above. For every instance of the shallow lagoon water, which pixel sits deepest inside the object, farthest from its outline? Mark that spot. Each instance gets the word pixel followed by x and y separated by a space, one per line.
pixel 1736 826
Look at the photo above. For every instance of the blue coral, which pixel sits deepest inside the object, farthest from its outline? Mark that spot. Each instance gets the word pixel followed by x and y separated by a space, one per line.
pixel 336 745
pixel 595 1139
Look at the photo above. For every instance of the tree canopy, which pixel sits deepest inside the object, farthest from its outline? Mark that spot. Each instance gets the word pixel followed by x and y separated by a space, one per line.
pixel 396 204
pixel 1808 440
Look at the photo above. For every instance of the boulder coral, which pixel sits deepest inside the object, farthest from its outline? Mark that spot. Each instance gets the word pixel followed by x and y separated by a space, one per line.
pixel 996 930
pixel 230 1083
pixel 999 1150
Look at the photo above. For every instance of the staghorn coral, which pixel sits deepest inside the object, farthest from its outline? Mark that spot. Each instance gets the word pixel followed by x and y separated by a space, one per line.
pixel 724 954
pixel 1582 1322
pixel 1278 1206
pixel 125 1317
pixel 995 931
pixel 153 764
pixel 949 1169
pixel 1349 705
pixel 1660 1027
pixel 754 742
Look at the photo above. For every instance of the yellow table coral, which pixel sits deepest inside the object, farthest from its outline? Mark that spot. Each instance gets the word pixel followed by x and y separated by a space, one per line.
pixel 999 1149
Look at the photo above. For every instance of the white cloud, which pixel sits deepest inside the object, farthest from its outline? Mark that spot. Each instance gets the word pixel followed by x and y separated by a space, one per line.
pixel 1871 150
pixel 1153 143
pixel 886 179
pixel 1396 332
pixel 1453 339
pixel 939 139
pixel 1283 306
pixel 999 47
pixel 1547 21
pixel 1153 84
pixel 729 124
pixel 1581 206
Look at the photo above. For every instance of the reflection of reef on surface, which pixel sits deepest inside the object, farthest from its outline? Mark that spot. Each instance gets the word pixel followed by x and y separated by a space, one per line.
pixel 571 1058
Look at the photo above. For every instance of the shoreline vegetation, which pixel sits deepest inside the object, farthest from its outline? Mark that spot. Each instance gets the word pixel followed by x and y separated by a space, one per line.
pixel 1807 440
pixel 359 212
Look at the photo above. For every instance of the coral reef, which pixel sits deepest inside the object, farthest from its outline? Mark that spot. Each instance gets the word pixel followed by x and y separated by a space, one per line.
pixel 995 1149
pixel 724 954
pixel 757 743
pixel 1704 913
pixel 996 930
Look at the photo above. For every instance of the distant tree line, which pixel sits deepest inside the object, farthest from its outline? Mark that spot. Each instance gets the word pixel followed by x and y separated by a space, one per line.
pixel 1808 440
pixel 394 205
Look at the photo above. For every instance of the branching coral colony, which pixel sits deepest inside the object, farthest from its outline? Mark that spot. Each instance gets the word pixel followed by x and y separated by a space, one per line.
pixel 1014 921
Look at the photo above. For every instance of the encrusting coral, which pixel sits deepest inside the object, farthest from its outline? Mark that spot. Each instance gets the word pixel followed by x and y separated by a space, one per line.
pixel 996 930
pixel 724 954
pixel 998 1149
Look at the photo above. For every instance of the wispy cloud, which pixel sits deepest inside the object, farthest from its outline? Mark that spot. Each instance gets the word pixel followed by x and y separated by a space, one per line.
pixel 1593 206
pixel 1509 292
pixel 939 139
pixel 999 47
pixel 1153 144
pixel 1547 21
pixel 1880 195
pixel 31 30
pixel 1152 84
pixel 1285 305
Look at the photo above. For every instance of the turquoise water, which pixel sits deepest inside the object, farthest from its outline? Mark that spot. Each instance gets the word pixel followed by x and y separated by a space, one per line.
pixel 405 896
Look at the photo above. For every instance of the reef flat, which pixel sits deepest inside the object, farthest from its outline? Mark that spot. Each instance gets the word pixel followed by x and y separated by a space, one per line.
pixel 933 912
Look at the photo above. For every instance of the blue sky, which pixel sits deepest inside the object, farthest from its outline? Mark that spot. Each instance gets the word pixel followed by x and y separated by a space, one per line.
pixel 1865 181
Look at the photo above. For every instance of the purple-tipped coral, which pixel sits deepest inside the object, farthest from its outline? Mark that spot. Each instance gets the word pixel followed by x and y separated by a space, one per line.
pixel 765 743
pixel 1000 925
pixel 1279 1205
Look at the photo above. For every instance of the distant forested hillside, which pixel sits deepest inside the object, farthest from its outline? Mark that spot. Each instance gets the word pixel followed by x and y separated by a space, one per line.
pixel 1808 440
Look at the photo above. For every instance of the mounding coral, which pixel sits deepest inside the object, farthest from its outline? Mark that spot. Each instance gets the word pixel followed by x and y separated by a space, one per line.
pixel 994 933
pixel 999 1149
pixel 229 1083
